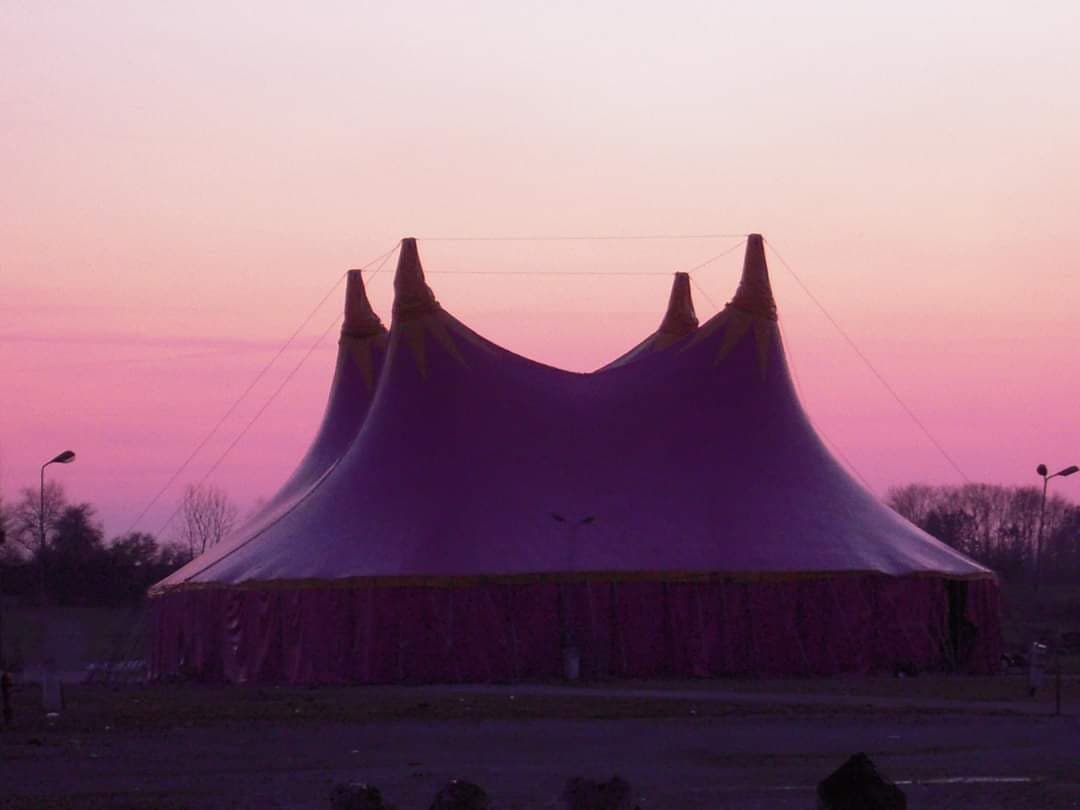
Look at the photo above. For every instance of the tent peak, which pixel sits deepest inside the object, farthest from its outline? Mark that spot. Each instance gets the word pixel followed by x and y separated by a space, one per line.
pixel 754 295
pixel 680 318
pixel 412 296
pixel 360 319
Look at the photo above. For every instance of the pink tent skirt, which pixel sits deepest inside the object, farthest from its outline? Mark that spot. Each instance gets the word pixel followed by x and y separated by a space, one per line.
pixel 488 631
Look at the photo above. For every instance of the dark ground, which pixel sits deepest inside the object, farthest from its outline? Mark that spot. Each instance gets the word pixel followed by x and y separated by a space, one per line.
pixel 719 744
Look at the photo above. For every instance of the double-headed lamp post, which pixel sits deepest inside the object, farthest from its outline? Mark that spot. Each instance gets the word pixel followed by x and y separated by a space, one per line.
pixel 1042 470
pixel 570 651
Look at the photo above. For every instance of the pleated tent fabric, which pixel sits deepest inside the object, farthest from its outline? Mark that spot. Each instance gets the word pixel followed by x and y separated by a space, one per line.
pixel 672 513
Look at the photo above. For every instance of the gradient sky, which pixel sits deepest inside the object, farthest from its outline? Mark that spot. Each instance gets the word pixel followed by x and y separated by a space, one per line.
pixel 181 183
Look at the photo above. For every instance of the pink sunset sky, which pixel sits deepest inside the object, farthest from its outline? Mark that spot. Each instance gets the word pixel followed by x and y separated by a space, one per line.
pixel 181 183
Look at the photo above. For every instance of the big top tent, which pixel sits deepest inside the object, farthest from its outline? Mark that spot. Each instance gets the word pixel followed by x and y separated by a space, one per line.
pixel 467 514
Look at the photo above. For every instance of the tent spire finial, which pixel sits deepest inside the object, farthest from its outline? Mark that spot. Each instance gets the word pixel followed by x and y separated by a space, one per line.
pixel 754 295
pixel 680 318
pixel 360 319
pixel 412 296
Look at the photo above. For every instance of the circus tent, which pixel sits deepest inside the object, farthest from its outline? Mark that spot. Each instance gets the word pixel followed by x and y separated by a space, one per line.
pixel 467 514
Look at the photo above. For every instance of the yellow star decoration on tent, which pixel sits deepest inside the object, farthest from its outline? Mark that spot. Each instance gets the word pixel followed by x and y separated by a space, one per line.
pixel 362 350
pixel 737 323
pixel 417 332
pixel 753 309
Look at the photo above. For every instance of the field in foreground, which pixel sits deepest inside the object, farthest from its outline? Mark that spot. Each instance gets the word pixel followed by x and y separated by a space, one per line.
pixel 705 745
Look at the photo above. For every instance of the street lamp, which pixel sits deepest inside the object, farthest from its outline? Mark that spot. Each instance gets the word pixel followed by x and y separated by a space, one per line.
pixel 1042 470
pixel 66 457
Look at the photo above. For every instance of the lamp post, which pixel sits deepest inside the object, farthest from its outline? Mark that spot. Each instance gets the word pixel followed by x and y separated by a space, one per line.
pixel 5 679
pixel 1042 470
pixel 66 457
pixel 3 658
pixel 570 652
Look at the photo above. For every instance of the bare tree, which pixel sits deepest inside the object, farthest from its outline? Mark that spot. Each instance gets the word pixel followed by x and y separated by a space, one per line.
pixel 996 525
pixel 913 501
pixel 32 524
pixel 207 515
pixel 9 552
pixel 29 525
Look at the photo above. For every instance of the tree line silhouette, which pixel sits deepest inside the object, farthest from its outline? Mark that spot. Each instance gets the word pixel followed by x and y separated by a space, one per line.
pixel 55 552
pixel 998 526
pixel 59 555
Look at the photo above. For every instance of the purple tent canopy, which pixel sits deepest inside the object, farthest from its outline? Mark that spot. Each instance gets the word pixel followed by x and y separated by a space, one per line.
pixel 464 510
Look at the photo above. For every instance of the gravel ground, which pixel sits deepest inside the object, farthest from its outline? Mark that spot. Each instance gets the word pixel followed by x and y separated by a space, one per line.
pixel 180 747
